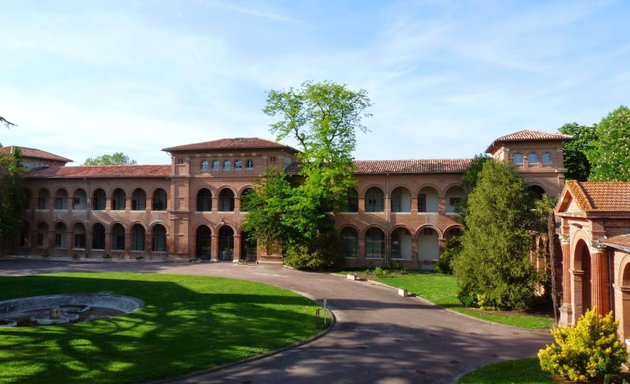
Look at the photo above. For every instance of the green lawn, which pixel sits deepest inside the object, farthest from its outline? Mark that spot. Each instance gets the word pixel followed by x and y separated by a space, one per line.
pixel 442 290
pixel 188 323
pixel 525 371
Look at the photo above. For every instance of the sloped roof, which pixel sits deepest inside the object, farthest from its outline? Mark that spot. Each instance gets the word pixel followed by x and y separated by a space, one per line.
pixel 606 196
pixel 102 171
pixel 238 143
pixel 411 166
pixel 528 135
pixel 621 242
pixel 34 153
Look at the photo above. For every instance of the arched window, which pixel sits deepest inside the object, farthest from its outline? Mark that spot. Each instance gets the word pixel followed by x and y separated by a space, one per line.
pixel 204 165
pixel 428 200
pixel 204 200
pixel 119 198
pixel 139 200
pixel 43 199
pixel 137 237
pixel 352 204
pixel 227 165
pixel 79 200
pixel 547 158
pixel 79 236
pixel 42 235
pixel 118 237
pixel 159 200
pixel 98 236
pixel 61 199
pixel 60 235
pixel 249 164
pixel 226 200
pixel 454 197
pixel 532 158
pixel 374 243
pixel 374 200
pixel 401 200
pixel 401 244
pixel 518 159
pixel 98 200
pixel 349 242
pixel 238 164
pixel 216 165
pixel 159 239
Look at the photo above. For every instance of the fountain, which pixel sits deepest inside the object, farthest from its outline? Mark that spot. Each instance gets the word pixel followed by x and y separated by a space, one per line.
pixel 65 308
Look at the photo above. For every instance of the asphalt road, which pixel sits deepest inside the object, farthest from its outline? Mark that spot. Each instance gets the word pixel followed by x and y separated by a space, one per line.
pixel 379 337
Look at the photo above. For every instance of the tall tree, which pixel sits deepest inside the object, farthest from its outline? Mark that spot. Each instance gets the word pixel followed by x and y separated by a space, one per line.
pixel 494 264
pixel 575 160
pixel 11 198
pixel 117 158
pixel 323 118
pixel 610 153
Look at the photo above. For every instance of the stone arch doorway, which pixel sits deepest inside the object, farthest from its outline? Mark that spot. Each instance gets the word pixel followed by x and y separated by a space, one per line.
pixel 226 243
pixel 203 242
pixel 581 279
pixel 624 290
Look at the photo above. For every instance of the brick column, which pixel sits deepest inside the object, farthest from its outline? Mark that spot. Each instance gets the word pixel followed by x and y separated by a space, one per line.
pixel 578 300
pixel 566 311
pixel 236 254
pixel 214 247
pixel 600 282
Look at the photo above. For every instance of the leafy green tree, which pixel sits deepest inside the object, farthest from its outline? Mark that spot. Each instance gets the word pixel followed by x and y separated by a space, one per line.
pixel 117 158
pixel 469 181
pixel 11 198
pixel 610 153
pixel 323 118
pixel 575 160
pixel 494 266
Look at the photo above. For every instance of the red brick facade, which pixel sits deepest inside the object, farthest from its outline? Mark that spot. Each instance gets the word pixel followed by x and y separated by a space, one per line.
pixel 190 209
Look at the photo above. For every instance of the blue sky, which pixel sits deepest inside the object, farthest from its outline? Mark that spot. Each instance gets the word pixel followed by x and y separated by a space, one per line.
pixel 83 78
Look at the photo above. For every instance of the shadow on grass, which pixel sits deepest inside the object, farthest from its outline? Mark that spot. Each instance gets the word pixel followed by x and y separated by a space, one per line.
pixel 188 323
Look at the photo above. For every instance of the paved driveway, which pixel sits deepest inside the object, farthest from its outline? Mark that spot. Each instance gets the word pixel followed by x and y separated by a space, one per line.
pixel 379 337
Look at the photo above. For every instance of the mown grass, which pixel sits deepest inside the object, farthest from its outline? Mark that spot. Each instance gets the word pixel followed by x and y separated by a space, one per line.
pixel 441 289
pixel 188 323
pixel 525 371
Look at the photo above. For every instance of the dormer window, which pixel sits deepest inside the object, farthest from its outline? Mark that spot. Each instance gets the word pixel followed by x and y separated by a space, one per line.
pixel 532 158
pixel 227 165
pixel 238 164
pixel 249 164
pixel 216 165
pixel 518 159
pixel 204 165
pixel 547 158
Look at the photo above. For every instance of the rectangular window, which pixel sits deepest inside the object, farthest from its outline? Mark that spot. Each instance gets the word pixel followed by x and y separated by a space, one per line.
pixel 58 203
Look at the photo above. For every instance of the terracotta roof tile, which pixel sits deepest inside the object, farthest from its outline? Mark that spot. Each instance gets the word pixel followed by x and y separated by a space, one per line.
pixel 102 171
pixel 36 154
pixel 611 196
pixel 621 242
pixel 411 166
pixel 238 143
pixel 528 135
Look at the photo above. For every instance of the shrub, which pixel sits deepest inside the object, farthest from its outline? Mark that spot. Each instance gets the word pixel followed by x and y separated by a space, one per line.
pixel 452 248
pixel 589 350
pixel 322 253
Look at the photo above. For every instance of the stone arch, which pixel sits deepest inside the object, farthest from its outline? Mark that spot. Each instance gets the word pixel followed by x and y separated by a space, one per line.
pixel 452 231
pixel 159 235
pixel 42 234
pixel 43 198
pixel 203 242
pixel 98 236
pixel 138 200
pixel 204 200
pixel 61 235
pixel 402 243
pixel 226 243
pixel 581 278
pixel 537 190
pixel 400 199
pixel 242 197
pixel 99 198
pixel 119 199
pixel 79 232
pixel 349 241
pixel 453 196
pixel 374 243
pixel 374 200
pixel 61 199
pixel 428 238
pixel 159 200
pixel 428 199
pixel 138 237
pixel 117 234
pixel 79 199
pixel 226 200
pixel 623 290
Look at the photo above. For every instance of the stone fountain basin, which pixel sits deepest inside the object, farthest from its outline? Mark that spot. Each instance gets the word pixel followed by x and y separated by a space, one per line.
pixel 65 308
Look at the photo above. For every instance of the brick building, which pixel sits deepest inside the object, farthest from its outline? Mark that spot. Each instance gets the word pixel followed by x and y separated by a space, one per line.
pixel 595 235
pixel 190 209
